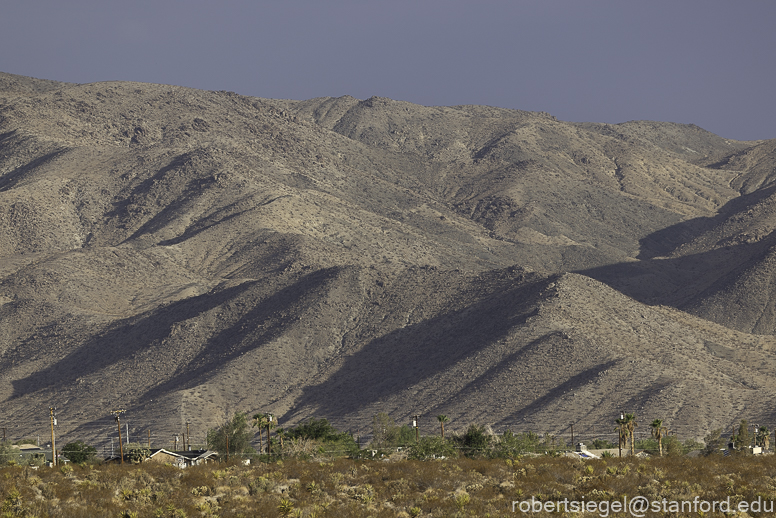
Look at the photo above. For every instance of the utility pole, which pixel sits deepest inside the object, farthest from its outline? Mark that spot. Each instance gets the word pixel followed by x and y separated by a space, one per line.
pixel 572 435
pixel 149 439
pixel 415 420
pixel 187 443
pixel 117 417
pixel 53 439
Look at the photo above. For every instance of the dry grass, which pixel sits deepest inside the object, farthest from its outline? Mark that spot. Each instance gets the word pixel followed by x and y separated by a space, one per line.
pixel 345 488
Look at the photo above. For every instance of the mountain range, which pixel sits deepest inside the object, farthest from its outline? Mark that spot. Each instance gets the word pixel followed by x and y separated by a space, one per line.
pixel 184 254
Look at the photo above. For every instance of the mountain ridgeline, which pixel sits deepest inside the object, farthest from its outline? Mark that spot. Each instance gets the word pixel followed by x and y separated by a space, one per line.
pixel 184 254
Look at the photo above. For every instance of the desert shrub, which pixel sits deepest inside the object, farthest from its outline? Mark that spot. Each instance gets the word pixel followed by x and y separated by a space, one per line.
pixel 475 442
pixel 350 488
pixel 325 437
pixel 370 454
pixel 403 436
pixel 552 445
pixel 386 434
pixel 78 452
pixel 692 445
pixel 601 444
pixel 300 448
pixel 511 445
pixel 672 446
pixel 432 448
pixel 7 453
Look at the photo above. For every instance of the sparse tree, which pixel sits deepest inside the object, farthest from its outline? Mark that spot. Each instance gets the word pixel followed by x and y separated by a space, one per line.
pixel 714 442
pixel 235 432
pixel 281 434
pixel 442 420
pixel 383 429
pixel 78 452
pixel 741 440
pixel 762 438
pixel 673 446
pixel 658 430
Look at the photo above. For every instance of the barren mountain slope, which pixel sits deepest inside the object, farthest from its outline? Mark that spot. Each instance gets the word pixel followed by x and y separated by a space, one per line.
pixel 719 268
pixel 530 178
pixel 558 350
pixel 186 254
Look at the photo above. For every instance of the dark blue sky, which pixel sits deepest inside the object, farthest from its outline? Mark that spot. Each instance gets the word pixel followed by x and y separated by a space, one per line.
pixel 707 62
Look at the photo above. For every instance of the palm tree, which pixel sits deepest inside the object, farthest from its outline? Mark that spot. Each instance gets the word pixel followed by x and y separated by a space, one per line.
pixel 442 420
pixel 658 430
pixel 271 422
pixel 281 433
pixel 259 421
pixel 630 425
pixel 622 432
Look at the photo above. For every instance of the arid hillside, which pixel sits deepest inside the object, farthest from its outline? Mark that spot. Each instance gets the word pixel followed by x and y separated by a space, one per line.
pixel 184 254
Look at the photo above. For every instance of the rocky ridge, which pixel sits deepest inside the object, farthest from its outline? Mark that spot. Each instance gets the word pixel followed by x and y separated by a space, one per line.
pixel 186 254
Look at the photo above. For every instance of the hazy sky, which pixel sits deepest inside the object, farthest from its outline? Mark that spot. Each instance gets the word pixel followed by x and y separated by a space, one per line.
pixel 707 62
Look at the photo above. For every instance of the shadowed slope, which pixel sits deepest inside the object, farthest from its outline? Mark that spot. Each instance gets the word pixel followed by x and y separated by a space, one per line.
pixel 187 253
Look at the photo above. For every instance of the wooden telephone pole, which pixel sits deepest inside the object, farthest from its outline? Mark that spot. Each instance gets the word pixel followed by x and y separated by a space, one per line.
pixel 117 417
pixel 53 439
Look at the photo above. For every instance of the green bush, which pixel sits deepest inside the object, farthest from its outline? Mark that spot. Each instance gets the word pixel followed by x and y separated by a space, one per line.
pixel 7 454
pixel 601 444
pixel 386 434
pixel 475 442
pixel 78 452
pixel 650 445
pixel 512 445
pixel 404 436
pixel 327 438
pixel 672 447
pixel 432 448
pixel 317 429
